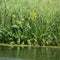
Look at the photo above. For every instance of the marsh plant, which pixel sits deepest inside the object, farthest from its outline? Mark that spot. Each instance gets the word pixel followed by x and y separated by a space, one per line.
pixel 31 22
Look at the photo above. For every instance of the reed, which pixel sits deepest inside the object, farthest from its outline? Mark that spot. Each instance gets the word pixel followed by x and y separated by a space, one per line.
pixel 32 22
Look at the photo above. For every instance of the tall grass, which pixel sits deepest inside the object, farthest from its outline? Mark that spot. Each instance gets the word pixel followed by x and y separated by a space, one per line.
pixel 34 22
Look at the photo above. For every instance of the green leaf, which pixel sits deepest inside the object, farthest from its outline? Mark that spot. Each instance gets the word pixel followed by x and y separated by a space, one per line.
pixel 15 26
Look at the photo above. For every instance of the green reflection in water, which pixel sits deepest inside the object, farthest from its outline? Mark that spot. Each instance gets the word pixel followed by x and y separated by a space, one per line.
pixel 29 53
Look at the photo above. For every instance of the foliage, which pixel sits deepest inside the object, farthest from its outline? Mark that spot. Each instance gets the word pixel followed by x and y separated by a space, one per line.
pixel 30 22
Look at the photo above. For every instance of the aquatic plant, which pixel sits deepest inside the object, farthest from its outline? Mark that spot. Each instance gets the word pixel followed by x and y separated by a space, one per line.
pixel 31 22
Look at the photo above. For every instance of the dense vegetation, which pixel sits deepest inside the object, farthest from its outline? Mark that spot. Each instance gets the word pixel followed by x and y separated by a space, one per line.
pixel 32 22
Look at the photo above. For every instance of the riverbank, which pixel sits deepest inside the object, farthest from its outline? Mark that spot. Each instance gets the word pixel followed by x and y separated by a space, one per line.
pixel 16 45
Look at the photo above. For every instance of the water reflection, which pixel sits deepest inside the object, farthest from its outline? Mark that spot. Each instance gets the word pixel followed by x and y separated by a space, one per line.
pixel 29 53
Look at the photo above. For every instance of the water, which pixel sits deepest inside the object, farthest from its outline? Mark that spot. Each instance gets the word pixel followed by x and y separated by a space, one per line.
pixel 29 53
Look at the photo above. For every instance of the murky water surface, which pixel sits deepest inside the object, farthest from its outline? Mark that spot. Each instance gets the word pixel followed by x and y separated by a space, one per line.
pixel 29 53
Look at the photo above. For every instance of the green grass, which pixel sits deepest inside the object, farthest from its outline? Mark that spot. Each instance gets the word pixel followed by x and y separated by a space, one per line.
pixel 32 22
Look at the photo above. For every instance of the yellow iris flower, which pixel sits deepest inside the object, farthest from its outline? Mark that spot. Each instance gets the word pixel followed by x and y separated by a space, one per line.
pixel 33 15
pixel 20 22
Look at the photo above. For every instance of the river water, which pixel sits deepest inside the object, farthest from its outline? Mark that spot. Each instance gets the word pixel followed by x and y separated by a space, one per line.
pixel 29 53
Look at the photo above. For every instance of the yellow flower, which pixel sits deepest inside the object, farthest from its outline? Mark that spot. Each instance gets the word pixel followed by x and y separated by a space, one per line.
pixel 20 22
pixel 33 15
